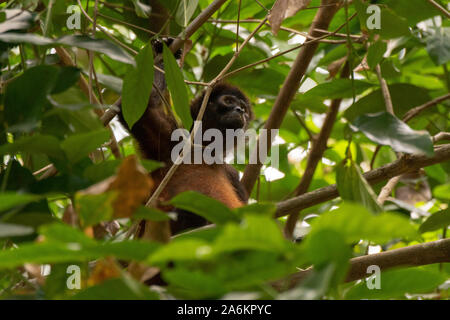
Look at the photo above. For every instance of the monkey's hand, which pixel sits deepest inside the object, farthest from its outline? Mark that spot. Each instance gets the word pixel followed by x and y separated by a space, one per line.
pixel 158 46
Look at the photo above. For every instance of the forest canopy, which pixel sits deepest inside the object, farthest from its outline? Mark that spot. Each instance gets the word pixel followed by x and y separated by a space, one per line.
pixel 356 207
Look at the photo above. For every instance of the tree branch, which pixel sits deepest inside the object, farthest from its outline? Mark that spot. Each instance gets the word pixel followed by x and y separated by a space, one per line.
pixel 318 148
pixel 290 86
pixel 417 255
pixel 415 111
pixel 440 8
pixel 405 164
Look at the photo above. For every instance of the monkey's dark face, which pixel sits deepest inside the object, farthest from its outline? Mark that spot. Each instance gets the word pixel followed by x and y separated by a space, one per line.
pixel 229 111
pixel 228 108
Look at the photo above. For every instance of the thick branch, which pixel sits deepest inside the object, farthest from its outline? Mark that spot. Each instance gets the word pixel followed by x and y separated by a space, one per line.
pixel 291 85
pixel 318 148
pixel 405 164
pixel 417 255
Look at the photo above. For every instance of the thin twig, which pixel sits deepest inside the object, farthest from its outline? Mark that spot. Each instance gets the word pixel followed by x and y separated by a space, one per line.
pixel 102 29
pixel 415 111
pixel 387 189
pixel 440 8
pixel 308 42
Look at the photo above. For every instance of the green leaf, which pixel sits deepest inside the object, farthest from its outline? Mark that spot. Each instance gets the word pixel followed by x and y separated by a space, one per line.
pixel 397 283
pixel 124 288
pixel 186 9
pixel 80 41
pixel 254 233
pixel 385 129
pixel 337 88
pixel 260 208
pixel 142 10
pixel 67 77
pixel 182 250
pixel 375 53
pixel 26 96
pixel 391 25
pixel 355 222
pixel 17 19
pixel 10 200
pixel 177 88
pixel 100 171
pixel 442 191
pixel 150 213
pixel 78 146
pixel 14 230
pixel 63 233
pixel 98 45
pixel 438 45
pixel 438 220
pixel 93 209
pixel 352 186
pixel 404 97
pixel 59 252
pixel 194 284
pixel 137 85
pixel 211 209
pixel 111 82
pixel 35 144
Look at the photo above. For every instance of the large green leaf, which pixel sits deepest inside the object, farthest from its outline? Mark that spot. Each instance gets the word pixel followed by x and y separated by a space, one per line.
pixel 442 191
pixel 397 283
pixel 137 86
pixel 438 45
pixel 59 252
pixel 254 233
pixel 26 96
pixel 391 25
pixel 211 209
pixel 182 250
pixel 78 146
pixel 404 97
pixel 338 88
pixel 436 221
pixel 177 88
pixel 186 9
pixel 10 200
pixel 95 208
pixel 80 41
pixel 125 288
pixel 385 129
pixel 16 19
pixel 355 222
pixel 35 144
pixel 375 53
pixel 353 187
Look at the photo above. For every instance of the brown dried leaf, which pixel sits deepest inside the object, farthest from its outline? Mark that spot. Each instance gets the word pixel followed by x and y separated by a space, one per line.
pixel 133 185
pixel 104 269
pixel 283 9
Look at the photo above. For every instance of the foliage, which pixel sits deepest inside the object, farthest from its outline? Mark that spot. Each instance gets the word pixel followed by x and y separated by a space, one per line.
pixel 69 194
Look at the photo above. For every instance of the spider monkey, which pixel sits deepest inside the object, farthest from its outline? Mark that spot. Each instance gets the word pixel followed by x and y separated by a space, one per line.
pixel 228 108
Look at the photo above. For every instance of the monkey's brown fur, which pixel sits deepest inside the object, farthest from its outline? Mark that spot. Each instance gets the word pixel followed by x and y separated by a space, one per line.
pixel 219 181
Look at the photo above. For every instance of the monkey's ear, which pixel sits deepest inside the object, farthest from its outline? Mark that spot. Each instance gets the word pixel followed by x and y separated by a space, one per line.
pixel 157 45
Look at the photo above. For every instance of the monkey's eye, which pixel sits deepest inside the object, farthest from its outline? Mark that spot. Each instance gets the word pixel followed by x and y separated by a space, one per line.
pixel 228 100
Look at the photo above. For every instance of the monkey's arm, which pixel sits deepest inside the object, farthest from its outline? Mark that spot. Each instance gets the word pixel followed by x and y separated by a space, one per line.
pixel 154 129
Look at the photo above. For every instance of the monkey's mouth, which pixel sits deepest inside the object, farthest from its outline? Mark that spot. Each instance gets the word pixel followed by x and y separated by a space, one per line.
pixel 234 119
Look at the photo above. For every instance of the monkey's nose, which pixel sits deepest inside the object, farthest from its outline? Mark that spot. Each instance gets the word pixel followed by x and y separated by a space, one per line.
pixel 239 109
